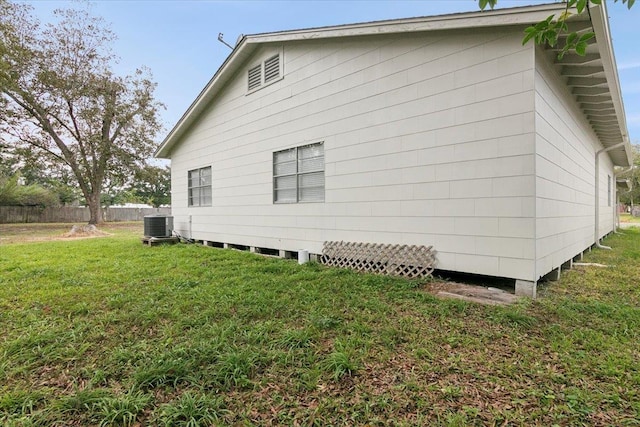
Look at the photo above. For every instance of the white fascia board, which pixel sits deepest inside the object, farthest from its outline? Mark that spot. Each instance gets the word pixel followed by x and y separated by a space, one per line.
pixel 493 18
pixel 600 22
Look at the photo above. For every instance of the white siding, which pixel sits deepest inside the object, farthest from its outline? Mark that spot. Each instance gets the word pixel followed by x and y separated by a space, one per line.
pixel 429 139
pixel 565 160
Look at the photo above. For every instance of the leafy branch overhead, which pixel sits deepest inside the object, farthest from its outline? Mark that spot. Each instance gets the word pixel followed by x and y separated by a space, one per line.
pixel 551 29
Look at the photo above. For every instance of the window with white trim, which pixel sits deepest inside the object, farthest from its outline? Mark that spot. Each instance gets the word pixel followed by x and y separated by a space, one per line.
pixel 199 185
pixel 298 174
pixel 265 73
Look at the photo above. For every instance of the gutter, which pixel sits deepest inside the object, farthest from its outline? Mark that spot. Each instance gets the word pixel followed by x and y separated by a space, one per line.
pixel 597 193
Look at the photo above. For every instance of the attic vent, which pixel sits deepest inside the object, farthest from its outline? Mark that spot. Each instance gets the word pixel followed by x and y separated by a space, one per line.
pixel 272 68
pixel 255 77
pixel 267 72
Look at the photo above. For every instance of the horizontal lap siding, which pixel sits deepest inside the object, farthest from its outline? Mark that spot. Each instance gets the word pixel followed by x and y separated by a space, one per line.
pixel 565 159
pixel 428 140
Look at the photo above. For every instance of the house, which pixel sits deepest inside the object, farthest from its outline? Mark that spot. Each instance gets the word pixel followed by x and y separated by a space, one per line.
pixel 444 131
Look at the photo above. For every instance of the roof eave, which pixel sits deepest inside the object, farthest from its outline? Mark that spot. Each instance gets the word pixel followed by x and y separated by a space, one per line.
pixel 600 24
pixel 499 17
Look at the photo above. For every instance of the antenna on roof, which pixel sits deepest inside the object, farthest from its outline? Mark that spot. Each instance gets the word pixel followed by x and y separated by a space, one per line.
pixel 220 35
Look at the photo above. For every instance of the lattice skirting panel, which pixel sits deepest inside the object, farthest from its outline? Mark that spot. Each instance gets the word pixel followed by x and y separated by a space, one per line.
pixel 395 260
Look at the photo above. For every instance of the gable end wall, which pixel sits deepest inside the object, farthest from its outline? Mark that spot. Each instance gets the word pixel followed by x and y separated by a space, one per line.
pixel 429 139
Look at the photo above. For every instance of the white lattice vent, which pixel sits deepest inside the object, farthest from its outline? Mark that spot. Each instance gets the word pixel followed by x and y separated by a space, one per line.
pixel 394 260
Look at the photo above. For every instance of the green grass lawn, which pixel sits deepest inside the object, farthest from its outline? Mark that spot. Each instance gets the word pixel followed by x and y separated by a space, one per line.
pixel 107 331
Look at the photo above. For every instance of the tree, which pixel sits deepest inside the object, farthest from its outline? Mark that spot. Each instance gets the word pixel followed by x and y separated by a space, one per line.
pixel 36 170
pixel 549 30
pixel 62 101
pixel 632 197
pixel 14 194
pixel 152 185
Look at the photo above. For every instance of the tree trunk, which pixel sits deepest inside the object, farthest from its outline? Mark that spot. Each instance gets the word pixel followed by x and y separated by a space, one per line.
pixel 95 209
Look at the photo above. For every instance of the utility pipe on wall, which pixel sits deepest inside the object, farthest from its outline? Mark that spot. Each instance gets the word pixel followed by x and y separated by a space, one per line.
pixel 596 237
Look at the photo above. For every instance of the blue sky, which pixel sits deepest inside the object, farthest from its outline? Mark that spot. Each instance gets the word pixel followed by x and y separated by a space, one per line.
pixel 177 40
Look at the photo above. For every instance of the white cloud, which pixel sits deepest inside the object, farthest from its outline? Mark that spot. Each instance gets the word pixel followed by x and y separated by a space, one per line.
pixel 633 119
pixel 628 65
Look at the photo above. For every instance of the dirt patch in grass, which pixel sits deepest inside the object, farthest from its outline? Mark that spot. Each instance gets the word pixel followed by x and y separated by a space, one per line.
pixel 84 232
pixel 38 232
pixel 628 218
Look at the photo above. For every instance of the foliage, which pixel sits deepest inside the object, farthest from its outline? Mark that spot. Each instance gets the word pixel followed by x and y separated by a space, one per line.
pixel 64 104
pixel 118 197
pixel 7 160
pixel 152 185
pixel 191 335
pixel 191 410
pixel 14 194
pixel 551 29
pixel 121 410
pixel 632 197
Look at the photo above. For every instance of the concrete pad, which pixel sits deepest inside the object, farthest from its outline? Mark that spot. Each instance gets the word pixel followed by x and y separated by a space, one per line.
pixel 471 293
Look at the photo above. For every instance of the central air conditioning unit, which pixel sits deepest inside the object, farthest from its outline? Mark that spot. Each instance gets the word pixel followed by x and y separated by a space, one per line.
pixel 158 225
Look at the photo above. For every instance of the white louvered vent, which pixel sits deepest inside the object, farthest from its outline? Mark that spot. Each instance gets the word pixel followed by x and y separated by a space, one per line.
pixel 255 77
pixel 272 68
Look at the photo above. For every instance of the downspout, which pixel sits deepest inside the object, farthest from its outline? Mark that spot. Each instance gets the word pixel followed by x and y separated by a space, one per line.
pixel 597 195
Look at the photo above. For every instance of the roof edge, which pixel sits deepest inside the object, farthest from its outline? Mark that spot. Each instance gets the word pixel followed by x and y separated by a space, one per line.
pixel 523 15
pixel 600 23
pixel 198 105
pixel 518 15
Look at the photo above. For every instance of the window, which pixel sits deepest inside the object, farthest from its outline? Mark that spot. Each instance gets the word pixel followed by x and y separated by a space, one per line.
pixel 608 190
pixel 200 187
pixel 266 72
pixel 298 174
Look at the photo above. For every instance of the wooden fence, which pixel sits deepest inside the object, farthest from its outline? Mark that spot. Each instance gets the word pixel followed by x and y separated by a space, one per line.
pixel 24 214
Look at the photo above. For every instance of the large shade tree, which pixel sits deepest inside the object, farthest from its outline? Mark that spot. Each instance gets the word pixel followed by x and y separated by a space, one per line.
pixel 632 176
pixel 152 185
pixel 60 98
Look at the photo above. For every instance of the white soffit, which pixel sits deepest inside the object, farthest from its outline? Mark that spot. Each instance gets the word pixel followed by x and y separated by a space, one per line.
pixel 593 80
